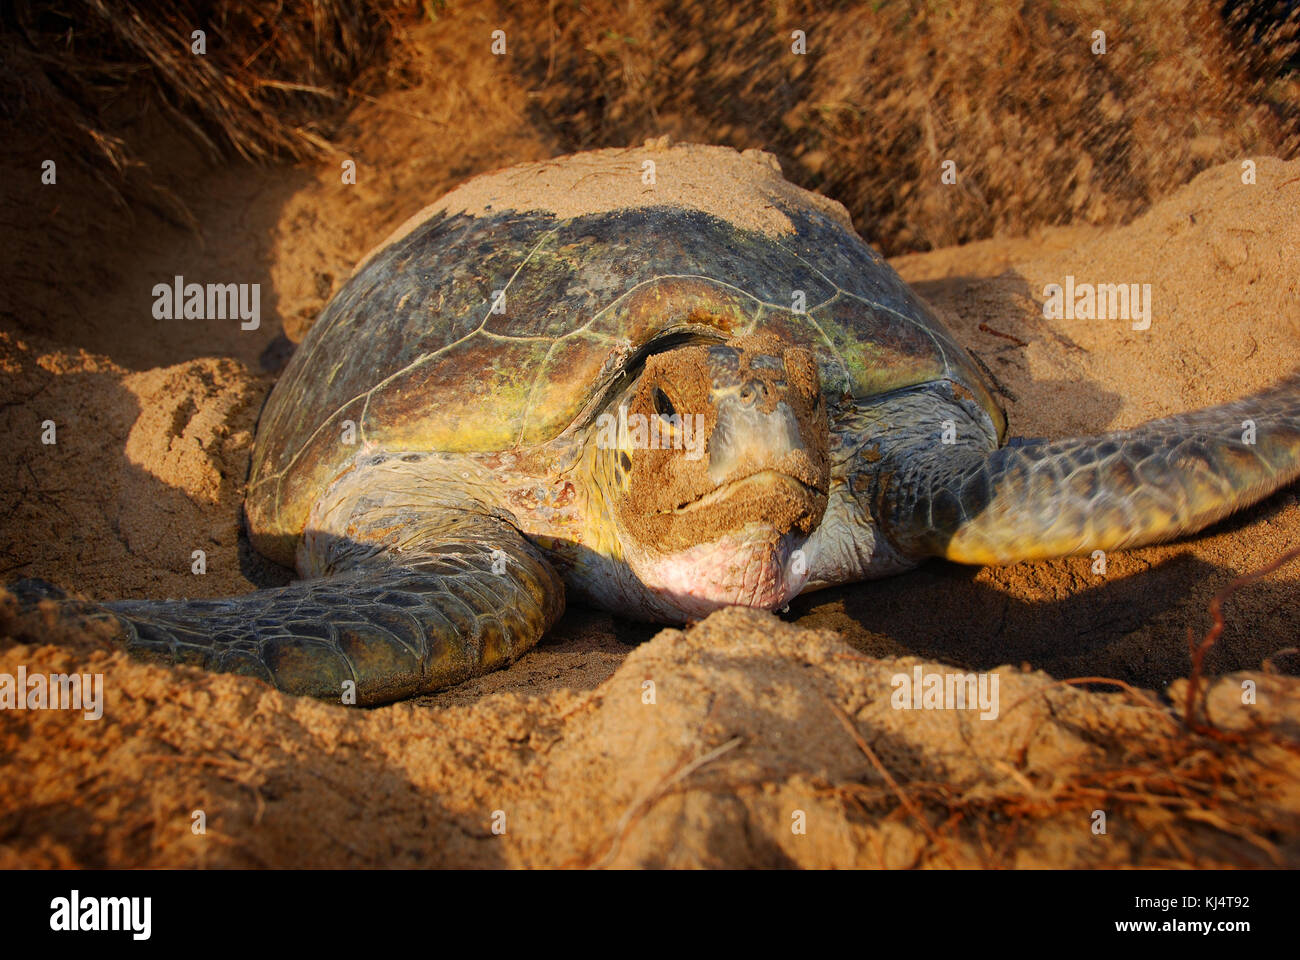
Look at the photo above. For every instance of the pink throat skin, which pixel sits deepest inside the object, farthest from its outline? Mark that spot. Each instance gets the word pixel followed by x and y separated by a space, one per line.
pixel 758 567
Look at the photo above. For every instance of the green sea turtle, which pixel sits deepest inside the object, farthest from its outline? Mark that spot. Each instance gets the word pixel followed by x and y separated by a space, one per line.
pixel 662 381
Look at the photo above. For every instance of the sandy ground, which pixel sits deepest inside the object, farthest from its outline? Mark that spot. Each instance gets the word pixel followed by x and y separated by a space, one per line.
pixel 755 719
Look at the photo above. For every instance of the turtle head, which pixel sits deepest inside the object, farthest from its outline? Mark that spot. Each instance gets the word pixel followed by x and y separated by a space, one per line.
pixel 717 467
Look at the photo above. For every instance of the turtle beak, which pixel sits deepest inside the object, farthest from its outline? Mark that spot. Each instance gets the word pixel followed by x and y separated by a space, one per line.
pixel 763 425
pixel 745 434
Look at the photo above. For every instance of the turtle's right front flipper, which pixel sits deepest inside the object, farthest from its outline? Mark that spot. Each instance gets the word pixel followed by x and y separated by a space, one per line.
pixel 1170 477
pixel 455 598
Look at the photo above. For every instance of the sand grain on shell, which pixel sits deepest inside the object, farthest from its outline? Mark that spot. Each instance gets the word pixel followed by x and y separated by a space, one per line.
pixel 743 189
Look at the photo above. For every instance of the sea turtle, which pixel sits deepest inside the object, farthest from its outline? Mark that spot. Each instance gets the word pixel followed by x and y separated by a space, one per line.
pixel 663 381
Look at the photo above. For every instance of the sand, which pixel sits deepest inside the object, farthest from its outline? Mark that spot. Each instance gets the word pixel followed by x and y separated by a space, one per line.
pixel 759 723
pixel 737 188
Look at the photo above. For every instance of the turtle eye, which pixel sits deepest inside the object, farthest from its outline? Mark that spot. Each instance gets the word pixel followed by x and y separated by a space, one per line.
pixel 663 406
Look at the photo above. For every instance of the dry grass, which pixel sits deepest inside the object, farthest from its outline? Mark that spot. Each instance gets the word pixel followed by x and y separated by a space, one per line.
pixel 82 72
pixel 1041 130
pixel 1179 795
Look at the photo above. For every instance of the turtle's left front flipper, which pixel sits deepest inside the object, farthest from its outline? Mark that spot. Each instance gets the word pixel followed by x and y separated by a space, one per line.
pixel 1161 480
pixel 443 599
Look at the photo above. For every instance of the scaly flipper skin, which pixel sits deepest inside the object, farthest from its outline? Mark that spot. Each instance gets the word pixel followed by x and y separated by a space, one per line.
pixel 459 595
pixel 973 504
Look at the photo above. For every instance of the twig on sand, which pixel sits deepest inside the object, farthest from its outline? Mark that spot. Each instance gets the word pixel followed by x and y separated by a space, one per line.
pixel 639 809
pixel 1198 651
pixel 997 384
pixel 903 798
pixel 1079 681
pixel 985 328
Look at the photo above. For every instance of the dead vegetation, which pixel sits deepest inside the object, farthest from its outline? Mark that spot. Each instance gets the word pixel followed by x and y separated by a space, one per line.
pixel 1190 783
pixel 1041 129
pixel 80 74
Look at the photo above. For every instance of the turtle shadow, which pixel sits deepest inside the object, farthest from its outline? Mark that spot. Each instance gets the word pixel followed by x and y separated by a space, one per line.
pixel 124 310
pixel 1062 616
pixel 987 315
pixel 1129 623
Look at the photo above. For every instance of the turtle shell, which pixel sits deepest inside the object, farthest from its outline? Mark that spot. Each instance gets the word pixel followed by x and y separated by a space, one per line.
pixel 494 318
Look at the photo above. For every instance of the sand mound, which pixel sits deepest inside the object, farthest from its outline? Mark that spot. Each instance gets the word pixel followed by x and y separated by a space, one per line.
pixel 719 181
pixel 741 742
